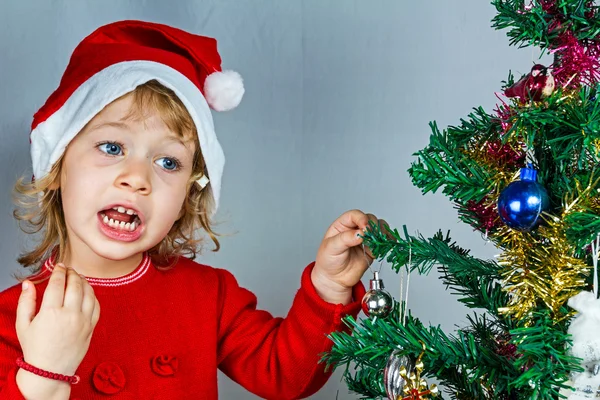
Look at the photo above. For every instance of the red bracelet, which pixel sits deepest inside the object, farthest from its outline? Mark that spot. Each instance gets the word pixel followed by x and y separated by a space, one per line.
pixel 50 375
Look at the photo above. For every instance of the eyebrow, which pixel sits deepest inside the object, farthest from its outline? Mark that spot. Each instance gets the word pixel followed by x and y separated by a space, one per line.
pixel 118 125
pixel 125 126
pixel 176 139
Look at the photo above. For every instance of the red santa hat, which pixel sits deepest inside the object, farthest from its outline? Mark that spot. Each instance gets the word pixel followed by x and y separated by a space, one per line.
pixel 113 61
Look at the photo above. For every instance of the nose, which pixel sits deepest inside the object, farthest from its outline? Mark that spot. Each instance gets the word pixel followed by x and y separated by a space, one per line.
pixel 135 177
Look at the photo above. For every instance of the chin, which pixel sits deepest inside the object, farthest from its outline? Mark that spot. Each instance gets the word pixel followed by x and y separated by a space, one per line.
pixel 116 251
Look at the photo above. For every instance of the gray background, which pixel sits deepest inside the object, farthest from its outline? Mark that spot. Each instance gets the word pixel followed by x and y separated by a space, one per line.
pixel 339 95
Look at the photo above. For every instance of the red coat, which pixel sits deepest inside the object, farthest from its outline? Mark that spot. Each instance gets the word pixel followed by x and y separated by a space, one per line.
pixel 163 334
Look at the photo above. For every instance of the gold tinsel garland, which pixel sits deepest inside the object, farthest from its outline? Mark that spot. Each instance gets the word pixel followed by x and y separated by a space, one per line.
pixel 540 269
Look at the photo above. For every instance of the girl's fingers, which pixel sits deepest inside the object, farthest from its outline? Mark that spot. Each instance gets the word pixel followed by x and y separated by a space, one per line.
pixel 55 291
pixel 74 290
pixel 88 302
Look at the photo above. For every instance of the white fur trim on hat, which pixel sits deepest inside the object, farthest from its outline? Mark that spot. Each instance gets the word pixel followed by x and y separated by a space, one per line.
pixel 51 137
pixel 224 90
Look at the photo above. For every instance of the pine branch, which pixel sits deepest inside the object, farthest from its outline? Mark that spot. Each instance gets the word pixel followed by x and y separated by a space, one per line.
pixel 474 280
pixel 540 28
pixel 444 164
pixel 365 381
pixel 460 363
pixel 468 364
pixel 545 363
pixel 582 229
pixel 566 127
pixel 484 292
pixel 478 125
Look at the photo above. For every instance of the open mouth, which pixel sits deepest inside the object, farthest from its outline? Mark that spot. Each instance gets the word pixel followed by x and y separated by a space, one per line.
pixel 121 219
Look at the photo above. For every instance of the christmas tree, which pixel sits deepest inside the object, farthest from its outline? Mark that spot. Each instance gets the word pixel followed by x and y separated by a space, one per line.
pixel 525 175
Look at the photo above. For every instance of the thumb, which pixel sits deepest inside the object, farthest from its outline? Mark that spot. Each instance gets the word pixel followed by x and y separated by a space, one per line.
pixel 343 241
pixel 26 306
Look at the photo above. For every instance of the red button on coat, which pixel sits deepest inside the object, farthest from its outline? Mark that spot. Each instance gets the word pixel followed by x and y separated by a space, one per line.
pixel 165 365
pixel 108 378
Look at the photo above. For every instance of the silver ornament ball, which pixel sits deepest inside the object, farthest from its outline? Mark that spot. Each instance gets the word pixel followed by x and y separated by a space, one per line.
pixel 377 302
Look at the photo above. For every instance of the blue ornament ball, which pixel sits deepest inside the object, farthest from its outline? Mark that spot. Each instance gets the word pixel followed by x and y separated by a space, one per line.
pixel 522 202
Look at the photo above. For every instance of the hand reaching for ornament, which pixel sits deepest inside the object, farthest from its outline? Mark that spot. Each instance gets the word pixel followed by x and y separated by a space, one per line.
pixel 341 260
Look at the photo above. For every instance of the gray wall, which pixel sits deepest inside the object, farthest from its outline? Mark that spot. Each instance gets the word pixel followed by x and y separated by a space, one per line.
pixel 339 94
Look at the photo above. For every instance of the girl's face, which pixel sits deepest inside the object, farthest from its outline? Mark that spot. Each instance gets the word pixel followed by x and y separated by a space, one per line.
pixel 123 183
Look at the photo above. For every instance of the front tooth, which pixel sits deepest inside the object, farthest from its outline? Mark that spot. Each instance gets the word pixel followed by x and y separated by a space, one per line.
pixel 105 220
pixel 112 223
pixel 127 226
pixel 121 209
pixel 130 212
pixel 121 225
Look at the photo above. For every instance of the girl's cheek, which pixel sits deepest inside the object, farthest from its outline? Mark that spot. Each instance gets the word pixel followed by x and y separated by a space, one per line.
pixel 175 182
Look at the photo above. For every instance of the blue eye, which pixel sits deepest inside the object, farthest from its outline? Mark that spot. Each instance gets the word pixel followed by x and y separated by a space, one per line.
pixel 112 149
pixel 168 163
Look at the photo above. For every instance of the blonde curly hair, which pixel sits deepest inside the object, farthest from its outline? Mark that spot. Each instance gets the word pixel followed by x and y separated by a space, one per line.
pixel 39 204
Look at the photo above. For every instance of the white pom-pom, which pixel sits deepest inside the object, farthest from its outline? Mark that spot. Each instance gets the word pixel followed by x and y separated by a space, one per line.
pixel 585 302
pixel 224 90
pixel 585 326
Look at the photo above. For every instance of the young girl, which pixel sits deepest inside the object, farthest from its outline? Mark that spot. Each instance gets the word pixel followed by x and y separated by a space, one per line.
pixel 126 168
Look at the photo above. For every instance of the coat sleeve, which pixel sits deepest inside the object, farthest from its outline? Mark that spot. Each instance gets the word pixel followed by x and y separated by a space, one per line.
pixel 10 348
pixel 278 358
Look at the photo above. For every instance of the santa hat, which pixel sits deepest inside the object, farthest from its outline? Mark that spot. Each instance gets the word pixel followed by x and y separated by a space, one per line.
pixel 113 61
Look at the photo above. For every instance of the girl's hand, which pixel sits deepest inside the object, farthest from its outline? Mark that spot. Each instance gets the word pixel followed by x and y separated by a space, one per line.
pixel 58 337
pixel 341 260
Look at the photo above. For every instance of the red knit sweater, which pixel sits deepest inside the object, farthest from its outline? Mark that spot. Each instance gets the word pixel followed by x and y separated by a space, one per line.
pixel 163 334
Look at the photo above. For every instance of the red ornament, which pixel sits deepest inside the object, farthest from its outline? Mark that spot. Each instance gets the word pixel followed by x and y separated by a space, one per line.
pixel 537 84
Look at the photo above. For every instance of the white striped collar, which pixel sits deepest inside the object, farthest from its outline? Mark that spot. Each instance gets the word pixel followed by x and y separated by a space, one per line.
pixel 133 276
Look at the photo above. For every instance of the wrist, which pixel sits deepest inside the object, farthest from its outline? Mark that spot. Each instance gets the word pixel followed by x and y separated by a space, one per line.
pixel 329 290
pixel 34 387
